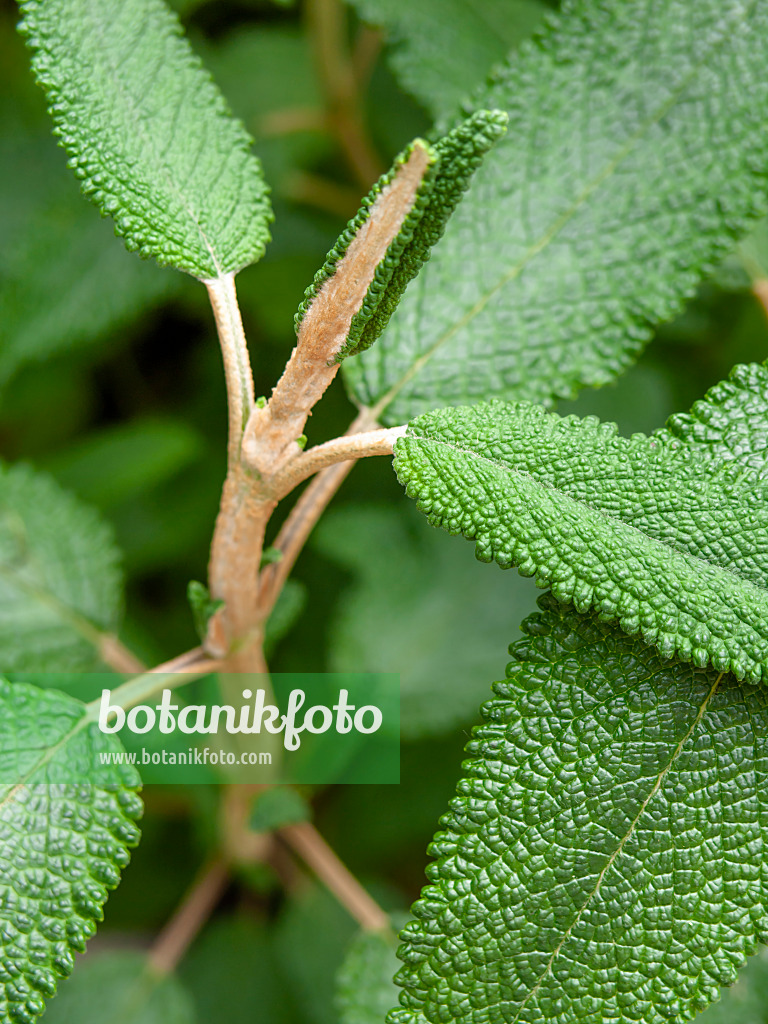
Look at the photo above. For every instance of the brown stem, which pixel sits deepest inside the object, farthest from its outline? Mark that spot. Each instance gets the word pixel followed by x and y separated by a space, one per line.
pixel 337 75
pixel 303 517
pixel 341 449
pixel 306 841
pixel 760 290
pixel 115 654
pixel 195 909
pixel 237 365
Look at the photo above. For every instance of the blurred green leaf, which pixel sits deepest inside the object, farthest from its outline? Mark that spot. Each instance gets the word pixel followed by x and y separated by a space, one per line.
pixel 278 806
pixel 287 611
pixel 60 581
pixel 365 990
pixel 310 940
pixel 114 464
pixel 402 613
pixel 233 970
pixel 443 49
pixel 120 988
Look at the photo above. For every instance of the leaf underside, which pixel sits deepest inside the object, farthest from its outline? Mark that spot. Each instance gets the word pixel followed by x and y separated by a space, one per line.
pixel 148 133
pixel 66 826
pixel 604 856
pixel 669 544
pixel 452 161
pixel 635 156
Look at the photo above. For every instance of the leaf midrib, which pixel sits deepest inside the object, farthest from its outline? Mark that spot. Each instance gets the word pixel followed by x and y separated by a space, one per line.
pixel 617 852
pixel 563 219
pixel 502 467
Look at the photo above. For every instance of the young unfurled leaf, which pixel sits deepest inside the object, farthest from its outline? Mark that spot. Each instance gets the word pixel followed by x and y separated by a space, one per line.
pixel 203 606
pixel 399 221
pixel 60 580
pixel 148 133
pixel 603 858
pixel 668 542
pixel 616 187
pixel 66 825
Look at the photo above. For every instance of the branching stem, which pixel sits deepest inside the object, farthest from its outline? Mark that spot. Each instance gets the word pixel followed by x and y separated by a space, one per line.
pixel 306 841
pixel 195 909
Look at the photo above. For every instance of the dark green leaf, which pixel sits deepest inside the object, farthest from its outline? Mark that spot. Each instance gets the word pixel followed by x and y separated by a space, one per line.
pixel 148 134
pixel 603 858
pixel 636 156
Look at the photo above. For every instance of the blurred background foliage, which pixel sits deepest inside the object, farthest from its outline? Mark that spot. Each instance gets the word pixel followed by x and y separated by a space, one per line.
pixel 111 380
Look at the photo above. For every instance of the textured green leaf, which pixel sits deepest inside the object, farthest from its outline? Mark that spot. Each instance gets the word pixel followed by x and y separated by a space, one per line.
pixel 443 48
pixel 132 992
pixel 747 1001
pixel 60 581
pixel 730 422
pixel 451 163
pixel 66 825
pixel 148 133
pixel 636 155
pixel 603 858
pixel 399 563
pixel 654 535
pixel 364 986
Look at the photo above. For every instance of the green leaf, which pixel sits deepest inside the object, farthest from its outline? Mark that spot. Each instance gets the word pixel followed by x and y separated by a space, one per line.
pixel 148 133
pixel 443 48
pixel 278 806
pixel 747 1001
pixel 602 859
pixel 667 542
pixel 730 422
pixel 448 167
pixel 134 993
pixel 614 190
pixel 60 581
pixel 203 606
pixel 364 986
pixel 115 464
pixel 400 564
pixel 66 825
pixel 233 970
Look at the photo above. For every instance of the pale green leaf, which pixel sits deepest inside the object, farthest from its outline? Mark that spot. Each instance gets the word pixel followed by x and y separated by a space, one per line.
pixel 636 156
pixel 364 986
pixel 60 580
pixel 656 536
pixel 443 48
pixel 66 825
pixel 604 856
pixel 148 133
pixel 114 464
pixel 120 988
pixel 440 593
